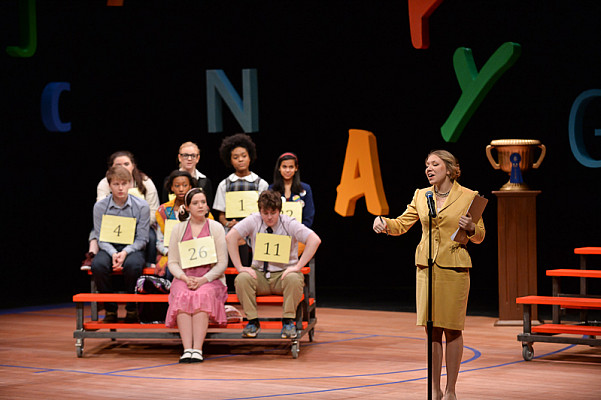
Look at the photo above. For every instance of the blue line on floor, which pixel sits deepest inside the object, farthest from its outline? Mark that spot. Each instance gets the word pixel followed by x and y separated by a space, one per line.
pixel 386 383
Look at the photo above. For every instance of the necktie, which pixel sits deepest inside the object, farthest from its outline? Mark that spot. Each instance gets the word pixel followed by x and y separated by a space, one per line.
pixel 265 263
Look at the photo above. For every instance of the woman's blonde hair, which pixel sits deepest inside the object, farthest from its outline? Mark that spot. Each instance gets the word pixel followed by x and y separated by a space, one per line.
pixel 450 161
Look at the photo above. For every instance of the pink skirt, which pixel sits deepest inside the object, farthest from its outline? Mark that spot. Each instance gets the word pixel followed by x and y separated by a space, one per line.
pixel 209 298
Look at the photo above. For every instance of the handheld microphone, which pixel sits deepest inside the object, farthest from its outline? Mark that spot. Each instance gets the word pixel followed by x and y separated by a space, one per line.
pixel 431 205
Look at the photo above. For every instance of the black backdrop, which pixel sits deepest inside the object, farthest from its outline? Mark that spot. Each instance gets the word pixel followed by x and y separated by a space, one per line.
pixel 137 76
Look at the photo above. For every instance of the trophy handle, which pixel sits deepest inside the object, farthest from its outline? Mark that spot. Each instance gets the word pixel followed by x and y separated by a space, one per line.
pixel 492 161
pixel 542 155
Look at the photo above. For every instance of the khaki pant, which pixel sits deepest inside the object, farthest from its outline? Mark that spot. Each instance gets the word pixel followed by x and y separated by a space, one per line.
pixel 248 288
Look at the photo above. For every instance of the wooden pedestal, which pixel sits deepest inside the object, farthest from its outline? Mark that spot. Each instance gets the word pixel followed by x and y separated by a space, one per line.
pixel 516 217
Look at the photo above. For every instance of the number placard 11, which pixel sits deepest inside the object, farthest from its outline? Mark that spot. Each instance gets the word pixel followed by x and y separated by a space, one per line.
pixel 293 209
pixel 241 204
pixel 197 252
pixel 272 248
pixel 115 229
pixel 169 225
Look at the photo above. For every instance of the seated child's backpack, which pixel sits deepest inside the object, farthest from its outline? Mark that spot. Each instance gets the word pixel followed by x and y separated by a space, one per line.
pixel 152 313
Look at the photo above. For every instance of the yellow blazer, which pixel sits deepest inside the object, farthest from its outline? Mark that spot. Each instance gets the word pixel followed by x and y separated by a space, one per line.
pixel 445 252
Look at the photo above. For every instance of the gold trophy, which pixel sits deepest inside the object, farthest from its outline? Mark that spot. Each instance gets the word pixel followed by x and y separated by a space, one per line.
pixel 515 156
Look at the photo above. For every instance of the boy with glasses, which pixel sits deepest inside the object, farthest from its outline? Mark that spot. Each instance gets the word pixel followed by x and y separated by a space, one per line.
pixel 188 158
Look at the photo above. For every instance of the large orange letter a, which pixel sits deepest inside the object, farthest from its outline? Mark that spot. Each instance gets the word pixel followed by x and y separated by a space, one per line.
pixel 361 176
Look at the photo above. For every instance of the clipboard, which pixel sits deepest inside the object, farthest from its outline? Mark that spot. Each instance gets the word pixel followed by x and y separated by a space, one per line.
pixel 476 209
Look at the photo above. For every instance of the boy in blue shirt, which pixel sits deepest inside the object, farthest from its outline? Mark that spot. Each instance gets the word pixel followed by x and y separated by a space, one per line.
pixel 128 258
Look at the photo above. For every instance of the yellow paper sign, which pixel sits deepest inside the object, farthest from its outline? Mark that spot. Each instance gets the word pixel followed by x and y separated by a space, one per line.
pixel 241 204
pixel 272 248
pixel 114 229
pixel 293 209
pixel 135 192
pixel 197 252
pixel 169 224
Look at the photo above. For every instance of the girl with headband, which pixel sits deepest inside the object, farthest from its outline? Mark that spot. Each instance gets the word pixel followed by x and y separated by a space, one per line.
pixel 198 294
pixel 286 180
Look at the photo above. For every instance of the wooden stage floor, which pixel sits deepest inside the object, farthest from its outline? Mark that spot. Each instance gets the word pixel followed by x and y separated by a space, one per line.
pixel 356 354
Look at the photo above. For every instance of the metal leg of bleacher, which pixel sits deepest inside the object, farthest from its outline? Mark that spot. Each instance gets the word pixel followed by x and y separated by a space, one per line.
pixel 93 305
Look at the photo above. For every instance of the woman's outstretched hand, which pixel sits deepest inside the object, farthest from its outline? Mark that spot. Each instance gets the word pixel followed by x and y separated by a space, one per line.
pixel 379 225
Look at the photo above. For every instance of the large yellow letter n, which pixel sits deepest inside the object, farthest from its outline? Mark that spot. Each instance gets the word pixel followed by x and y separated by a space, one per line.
pixel 361 176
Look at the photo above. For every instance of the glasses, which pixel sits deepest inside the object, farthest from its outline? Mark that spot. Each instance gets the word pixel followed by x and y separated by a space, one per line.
pixel 189 156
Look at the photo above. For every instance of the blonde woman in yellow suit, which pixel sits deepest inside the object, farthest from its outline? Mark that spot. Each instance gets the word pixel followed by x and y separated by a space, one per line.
pixel 451 279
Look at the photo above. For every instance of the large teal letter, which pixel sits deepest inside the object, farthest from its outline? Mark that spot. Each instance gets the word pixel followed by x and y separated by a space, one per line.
pixel 27 31
pixel 246 112
pixel 577 132
pixel 475 86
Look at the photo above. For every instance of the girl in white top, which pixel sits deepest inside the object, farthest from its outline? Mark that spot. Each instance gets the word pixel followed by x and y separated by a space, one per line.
pixel 140 181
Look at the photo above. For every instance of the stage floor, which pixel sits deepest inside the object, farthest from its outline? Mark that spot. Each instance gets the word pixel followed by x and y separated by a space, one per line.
pixel 356 354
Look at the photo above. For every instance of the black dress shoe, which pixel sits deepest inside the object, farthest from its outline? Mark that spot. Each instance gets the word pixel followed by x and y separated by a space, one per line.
pixel 110 318
pixel 186 357
pixel 196 356
pixel 131 317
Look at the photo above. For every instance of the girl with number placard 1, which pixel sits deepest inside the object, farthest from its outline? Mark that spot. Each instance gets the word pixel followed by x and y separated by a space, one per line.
pixel 198 293
pixel 286 180
pixel 238 152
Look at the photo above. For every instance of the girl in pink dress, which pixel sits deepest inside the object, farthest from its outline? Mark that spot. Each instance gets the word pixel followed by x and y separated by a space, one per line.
pixel 198 294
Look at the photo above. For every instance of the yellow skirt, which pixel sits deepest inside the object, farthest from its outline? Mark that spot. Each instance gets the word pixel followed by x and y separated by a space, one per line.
pixel 450 289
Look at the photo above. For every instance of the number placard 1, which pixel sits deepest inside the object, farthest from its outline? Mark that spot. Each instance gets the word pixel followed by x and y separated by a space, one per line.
pixel 169 225
pixel 272 248
pixel 241 204
pixel 293 209
pixel 197 252
pixel 115 229
pixel 135 192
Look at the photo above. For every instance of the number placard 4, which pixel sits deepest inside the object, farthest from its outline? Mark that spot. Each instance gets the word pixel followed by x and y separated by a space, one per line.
pixel 293 209
pixel 241 204
pixel 272 248
pixel 197 252
pixel 115 229
pixel 169 225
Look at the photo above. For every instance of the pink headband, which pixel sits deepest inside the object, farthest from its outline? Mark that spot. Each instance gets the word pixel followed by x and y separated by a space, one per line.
pixel 288 154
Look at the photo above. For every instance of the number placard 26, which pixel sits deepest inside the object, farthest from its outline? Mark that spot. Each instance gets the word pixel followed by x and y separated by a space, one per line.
pixel 197 252
pixel 115 229
pixel 272 248
pixel 241 204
